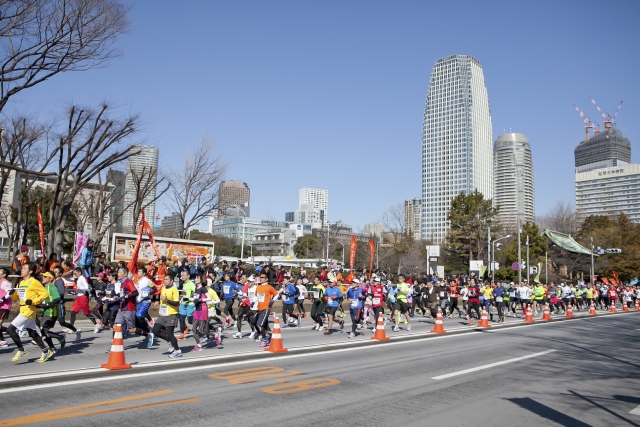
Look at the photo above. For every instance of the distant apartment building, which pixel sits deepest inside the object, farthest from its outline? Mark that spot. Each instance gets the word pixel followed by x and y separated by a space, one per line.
pixel 143 164
pixel 234 194
pixel 413 217
pixel 318 199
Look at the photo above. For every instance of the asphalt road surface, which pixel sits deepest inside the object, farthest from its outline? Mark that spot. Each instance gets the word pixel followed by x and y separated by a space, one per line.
pixel 583 372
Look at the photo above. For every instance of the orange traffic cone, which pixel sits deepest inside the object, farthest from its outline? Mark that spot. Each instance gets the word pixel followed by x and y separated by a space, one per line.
pixel 592 310
pixel 569 311
pixel 380 334
pixel 439 328
pixel 275 345
pixel 116 356
pixel 546 315
pixel 484 319
pixel 624 307
pixel 529 317
pixel 637 307
pixel 612 309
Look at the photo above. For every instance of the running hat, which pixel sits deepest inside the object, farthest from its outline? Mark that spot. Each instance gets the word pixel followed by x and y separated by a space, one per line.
pixel 49 275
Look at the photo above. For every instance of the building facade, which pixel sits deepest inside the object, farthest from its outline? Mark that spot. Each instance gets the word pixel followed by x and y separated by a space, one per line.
pixel 513 175
pixel 606 149
pixel 231 227
pixel 413 218
pixel 171 225
pixel 143 164
pixel 457 141
pixel 318 199
pixel 608 192
pixel 307 214
pixel 232 194
pixel 116 178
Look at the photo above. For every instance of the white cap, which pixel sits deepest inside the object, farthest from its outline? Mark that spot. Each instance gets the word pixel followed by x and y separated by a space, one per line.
pixel 356 281
pixel 377 279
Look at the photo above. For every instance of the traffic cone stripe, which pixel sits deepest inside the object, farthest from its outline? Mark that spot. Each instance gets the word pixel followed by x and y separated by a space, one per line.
pixel 546 315
pixel 116 355
pixel 484 319
pixel 276 344
pixel 529 318
pixel 569 311
pixel 592 310
pixel 439 328
pixel 380 334
pixel 117 347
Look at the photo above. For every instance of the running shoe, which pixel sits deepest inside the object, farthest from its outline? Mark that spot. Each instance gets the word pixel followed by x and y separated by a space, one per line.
pixel 125 333
pixel 78 334
pixel 263 343
pixel 182 336
pixel 341 324
pixel 237 335
pixel 321 328
pixel 150 340
pixel 68 331
pixel 327 332
pixel 218 339
pixel 96 329
pixel 470 321
pixel 258 338
pixel 253 335
pixel 409 328
pixel 4 344
pixel 204 340
pixel 24 334
pixel 170 349
pixel 352 335
pixel 196 349
pixel 175 354
pixel 151 323
pixel 46 355
pixel 63 341
pixel 396 329
pixel 19 355
pixel 298 322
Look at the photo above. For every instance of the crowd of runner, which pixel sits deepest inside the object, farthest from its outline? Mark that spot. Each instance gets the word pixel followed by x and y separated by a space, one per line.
pixel 199 302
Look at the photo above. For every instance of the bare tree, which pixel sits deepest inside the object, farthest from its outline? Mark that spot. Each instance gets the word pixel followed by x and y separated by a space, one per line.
pixel 561 217
pixel 395 230
pixel 41 38
pixel 195 185
pixel 142 184
pixel 92 142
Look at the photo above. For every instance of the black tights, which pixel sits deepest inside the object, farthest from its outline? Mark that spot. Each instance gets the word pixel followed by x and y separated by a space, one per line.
pixel 13 333
pixel 183 322
pixel 73 318
pixel 61 318
pixel 168 336
pixel 48 335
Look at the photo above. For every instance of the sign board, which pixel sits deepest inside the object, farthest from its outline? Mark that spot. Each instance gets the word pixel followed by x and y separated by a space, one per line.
pixel 515 266
pixel 174 249
pixel 433 251
pixel 475 267
pixel 440 270
pixel 433 259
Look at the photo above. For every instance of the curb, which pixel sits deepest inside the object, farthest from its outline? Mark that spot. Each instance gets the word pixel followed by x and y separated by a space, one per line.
pixel 10 382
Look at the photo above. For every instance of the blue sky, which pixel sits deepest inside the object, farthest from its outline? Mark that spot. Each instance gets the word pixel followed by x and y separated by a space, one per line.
pixel 331 94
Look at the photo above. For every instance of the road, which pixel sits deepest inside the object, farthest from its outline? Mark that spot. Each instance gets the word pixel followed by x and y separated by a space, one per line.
pixel 582 372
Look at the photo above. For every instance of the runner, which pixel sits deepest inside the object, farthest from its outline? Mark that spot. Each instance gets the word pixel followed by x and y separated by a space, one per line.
pixel 332 296
pixel 316 293
pixel 81 302
pixel 474 301
pixel 201 315
pixel 525 296
pixel 146 289
pixel 402 308
pixel 168 319
pixel 5 303
pixel 355 295
pixel 30 293
pixel 302 293
pixel 229 291
pixel 186 306
pixel 243 305
pixel 126 315
pixel 453 296
pixel 499 293
pixel 50 313
pixel 265 294
pixel 377 294
pixel 288 296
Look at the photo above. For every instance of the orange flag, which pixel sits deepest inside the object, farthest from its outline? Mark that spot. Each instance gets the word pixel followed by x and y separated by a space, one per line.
pixel 41 231
pixel 134 258
pixel 372 249
pixel 352 252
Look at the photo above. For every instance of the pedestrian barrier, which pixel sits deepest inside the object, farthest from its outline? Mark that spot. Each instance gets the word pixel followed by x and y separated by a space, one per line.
pixel 612 309
pixel 569 311
pixel 529 317
pixel 276 344
pixel 546 315
pixel 380 334
pixel 592 309
pixel 484 319
pixel 116 355
pixel 439 327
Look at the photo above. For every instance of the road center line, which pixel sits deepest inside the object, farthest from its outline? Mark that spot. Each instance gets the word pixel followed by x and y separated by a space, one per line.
pixel 491 365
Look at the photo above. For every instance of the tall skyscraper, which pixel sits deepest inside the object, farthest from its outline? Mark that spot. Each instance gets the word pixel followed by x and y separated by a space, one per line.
pixel 413 217
pixel 604 150
pixel 234 193
pixel 143 164
pixel 457 141
pixel 513 173
pixel 318 199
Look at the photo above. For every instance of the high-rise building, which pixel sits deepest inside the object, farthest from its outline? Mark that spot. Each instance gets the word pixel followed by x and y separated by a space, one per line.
pixel 457 141
pixel 608 192
pixel 604 150
pixel 413 218
pixel 307 214
pixel 318 199
pixel 513 175
pixel 374 229
pixel 144 164
pixel 234 193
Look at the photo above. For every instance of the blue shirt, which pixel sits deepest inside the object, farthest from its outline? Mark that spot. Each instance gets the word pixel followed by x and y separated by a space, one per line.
pixel 499 292
pixel 355 295
pixel 392 293
pixel 289 292
pixel 333 292
pixel 229 289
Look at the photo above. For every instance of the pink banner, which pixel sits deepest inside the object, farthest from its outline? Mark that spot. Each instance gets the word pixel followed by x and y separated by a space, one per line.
pixel 81 242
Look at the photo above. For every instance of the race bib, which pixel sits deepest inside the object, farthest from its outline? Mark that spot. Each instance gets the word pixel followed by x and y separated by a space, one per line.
pixel 375 301
pixel 354 303
pixel 22 293
pixel 498 299
pixel 164 310
pixel 260 297
pixel 301 297
pixel 316 294
pixel 226 289
pixel 285 297
pixel 441 294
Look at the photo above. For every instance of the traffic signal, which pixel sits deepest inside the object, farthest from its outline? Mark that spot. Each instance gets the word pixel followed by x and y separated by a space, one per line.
pixel 614 251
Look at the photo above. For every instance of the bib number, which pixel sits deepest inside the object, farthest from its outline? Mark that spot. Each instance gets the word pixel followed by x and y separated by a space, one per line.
pixel 354 303
pixel 22 293
pixel 226 289
pixel 498 299
pixel 285 297
pixel 260 297
pixel 164 310
pixel 375 301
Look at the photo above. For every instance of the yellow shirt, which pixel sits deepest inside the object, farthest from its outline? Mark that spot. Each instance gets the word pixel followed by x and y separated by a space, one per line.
pixel 30 289
pixel 172 295
pixel 487 292
pixel 214 298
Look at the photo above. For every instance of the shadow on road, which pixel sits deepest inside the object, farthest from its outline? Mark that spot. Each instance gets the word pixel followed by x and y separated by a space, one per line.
pixel 546 412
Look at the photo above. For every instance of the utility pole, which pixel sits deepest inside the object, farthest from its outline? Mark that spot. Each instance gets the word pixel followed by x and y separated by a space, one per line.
pixel 519 255
pixel 593 272
pixel 528 267
pixel 489 253
pixel 546 267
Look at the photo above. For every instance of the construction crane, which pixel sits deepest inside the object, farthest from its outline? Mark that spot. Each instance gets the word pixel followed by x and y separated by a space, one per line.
pixel 587 121
pixel 606 116
pixel 613 120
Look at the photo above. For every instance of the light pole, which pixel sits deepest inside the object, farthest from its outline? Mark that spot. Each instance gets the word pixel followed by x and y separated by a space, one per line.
pixel 593 272
pixel 519 256
pixel 528 267
pixel 243 225
pixel 493 255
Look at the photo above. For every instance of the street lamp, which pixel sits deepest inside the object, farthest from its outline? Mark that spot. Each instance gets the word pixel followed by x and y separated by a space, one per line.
pixel 243 225
pixel 493 255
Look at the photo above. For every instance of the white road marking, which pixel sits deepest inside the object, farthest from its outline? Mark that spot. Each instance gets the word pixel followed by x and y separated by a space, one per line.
pixel 491 365
pixel 636 410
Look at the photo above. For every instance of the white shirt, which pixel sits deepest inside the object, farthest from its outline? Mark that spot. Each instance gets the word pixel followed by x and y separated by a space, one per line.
pixel 303 291
pixel 82 287
pixel 567 291
pixel 525 292
pixel 144 282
